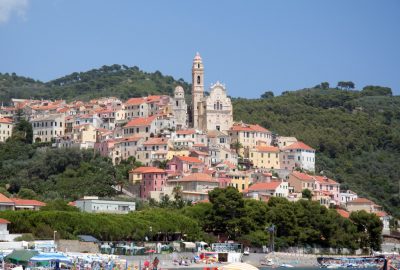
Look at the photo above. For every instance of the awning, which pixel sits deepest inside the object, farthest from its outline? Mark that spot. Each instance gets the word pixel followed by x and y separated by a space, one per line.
pixel 21 256
pixel 46 257
pixel 189 244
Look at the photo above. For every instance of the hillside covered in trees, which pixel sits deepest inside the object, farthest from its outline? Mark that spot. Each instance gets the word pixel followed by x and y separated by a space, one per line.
pixel 356 133
pixel 116 80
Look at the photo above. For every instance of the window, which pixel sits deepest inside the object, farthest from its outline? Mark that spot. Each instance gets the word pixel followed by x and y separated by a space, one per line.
pixel 198 79
pixel 177 103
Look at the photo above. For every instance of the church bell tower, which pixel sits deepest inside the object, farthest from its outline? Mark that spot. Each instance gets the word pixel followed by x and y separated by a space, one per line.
pixel 197 89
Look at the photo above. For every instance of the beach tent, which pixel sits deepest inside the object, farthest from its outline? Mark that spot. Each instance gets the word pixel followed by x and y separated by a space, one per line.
pixel 87 238
pixel 50 257
pixel 21 256
pixel 238 266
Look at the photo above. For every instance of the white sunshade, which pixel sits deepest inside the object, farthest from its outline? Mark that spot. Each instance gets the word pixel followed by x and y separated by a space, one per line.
pixel 238 266
pixel 189 244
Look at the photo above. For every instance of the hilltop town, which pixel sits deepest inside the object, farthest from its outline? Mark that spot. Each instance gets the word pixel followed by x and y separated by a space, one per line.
pixel 193 145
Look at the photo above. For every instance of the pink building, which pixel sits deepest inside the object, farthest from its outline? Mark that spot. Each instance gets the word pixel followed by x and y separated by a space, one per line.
pixel 153 179
pixel 185 165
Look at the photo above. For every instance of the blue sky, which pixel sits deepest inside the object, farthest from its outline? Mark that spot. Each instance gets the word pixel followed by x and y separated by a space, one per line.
pixel 251 46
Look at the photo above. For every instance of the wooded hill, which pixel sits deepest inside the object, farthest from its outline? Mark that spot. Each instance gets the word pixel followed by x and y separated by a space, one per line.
pixel 356 133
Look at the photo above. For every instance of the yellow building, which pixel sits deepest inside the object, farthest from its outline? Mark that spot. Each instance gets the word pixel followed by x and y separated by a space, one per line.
pixel 249 137
pixel 265 157
pixel 171 153
pixel 239 179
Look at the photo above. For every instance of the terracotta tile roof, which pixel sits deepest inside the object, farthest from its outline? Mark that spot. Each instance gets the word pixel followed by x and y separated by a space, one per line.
pixel 298 145
pixel 156 141
pixel 343 213
pixel 267 149
pixel 381 214
pixel 5 120
pixel 189 159
pixel 361 201
pixel 200 153
pixel 199 145
pixel 27 202
pixel 248 127
pixel 4 221
pixel 147 170
pixel 4 199
pixel 264 186
pixel 151 99
pixel 135 101
pixel 215 133
pixel 141 121
pixel 199 177
pixel 324 180
pixel 303 176
pixel 186 132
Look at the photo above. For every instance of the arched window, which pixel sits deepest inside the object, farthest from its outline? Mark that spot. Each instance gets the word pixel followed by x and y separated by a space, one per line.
pixel 198 79
pixel 220 106
pixel 198 65
pixel 215 106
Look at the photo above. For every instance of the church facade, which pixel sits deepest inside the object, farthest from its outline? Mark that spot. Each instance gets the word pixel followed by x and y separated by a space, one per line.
pixel 213 112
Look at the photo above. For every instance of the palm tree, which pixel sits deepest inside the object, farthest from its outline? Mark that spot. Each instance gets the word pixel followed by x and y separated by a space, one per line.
pixel 237 146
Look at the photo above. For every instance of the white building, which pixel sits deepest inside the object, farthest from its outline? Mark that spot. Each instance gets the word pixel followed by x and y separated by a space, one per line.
pixel 303 155
pixel 179 108
pixel 268 189
pixel 47 127
pixel 6 126
pixel 92 204
pixel 347 196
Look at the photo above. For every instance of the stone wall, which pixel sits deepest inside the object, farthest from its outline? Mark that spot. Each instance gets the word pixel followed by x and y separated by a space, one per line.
pixel 77 246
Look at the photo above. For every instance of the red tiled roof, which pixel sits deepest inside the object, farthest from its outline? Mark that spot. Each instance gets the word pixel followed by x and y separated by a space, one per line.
pixel 141 121
pixel 5 120
pixel 381 214
pixel 298 145
pixel 250 128
pixel 343 213
pixel 361 201
pixel 200 153
pixel 4 221
pixel 147 170
pixel 156 141
pixel 267 149
pixel 135 101
pixel 303 176
pixel 186 132
pixel 189 159
pixel 4 199
pixel 264 186
pixel 324 180
pixel 27 202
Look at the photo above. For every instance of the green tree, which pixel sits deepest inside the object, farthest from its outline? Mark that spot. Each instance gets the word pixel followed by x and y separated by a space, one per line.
pixel 22 131
pixel 267 94
pixel 227 215
pixel 369 229
pixel 306 194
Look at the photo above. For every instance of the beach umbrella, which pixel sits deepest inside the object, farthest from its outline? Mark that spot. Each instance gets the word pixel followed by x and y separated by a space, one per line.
pixel 238 266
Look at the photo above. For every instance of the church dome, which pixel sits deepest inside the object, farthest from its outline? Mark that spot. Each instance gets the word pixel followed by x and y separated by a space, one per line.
pixel 179 89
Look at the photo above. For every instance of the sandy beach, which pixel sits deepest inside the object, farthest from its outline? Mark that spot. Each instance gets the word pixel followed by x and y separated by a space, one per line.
pixel 167 260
